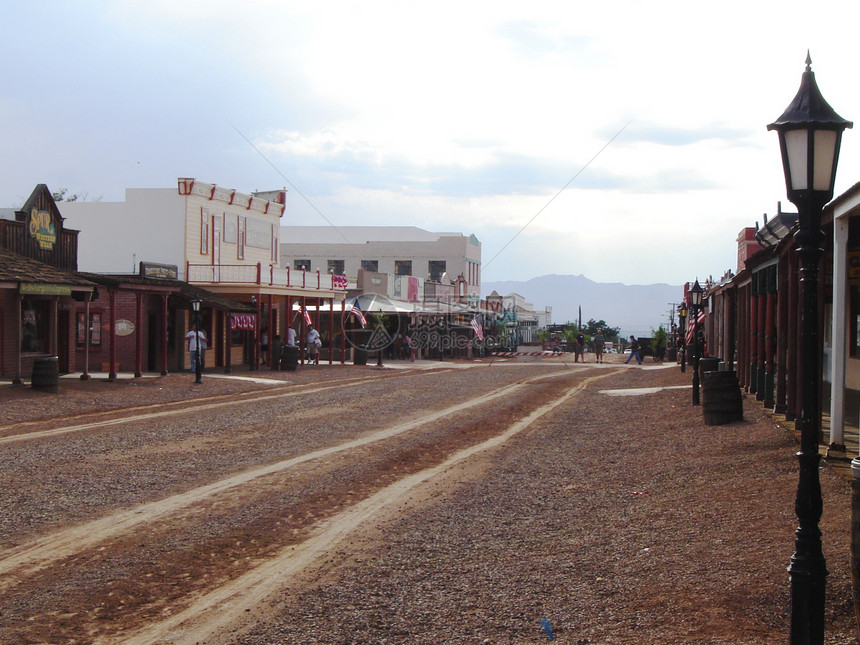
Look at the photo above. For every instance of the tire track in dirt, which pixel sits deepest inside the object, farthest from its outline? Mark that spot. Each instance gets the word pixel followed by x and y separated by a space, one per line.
pixel 18 562
pixel 227 604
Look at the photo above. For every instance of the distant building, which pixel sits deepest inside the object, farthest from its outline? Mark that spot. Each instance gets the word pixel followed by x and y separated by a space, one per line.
pixel 397 251
pixel 516 321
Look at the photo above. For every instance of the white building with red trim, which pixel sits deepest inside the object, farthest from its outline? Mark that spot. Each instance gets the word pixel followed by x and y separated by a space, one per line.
pixel 212 237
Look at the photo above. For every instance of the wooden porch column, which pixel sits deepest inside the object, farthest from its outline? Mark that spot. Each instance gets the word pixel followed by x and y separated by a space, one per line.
pixel 302 333
pixel 273 329
pixel 255 346
pixel 741 302
pixel 331 330
pixel 792 360
pixel 112 335
pixel 731 316
pixel 782 334
pixel 164 334
pixel 138 345
pixel 343 329
pixel 752 381
pixel 839 332
pixel 20 337
pixel 770 340
pixel 228 344
pixel 762 333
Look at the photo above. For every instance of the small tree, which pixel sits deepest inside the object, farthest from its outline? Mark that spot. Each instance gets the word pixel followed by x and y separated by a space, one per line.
pixel 609 333
pixel 658 342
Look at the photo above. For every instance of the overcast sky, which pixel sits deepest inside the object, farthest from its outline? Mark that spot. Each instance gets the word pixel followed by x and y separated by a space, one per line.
pixel 628 138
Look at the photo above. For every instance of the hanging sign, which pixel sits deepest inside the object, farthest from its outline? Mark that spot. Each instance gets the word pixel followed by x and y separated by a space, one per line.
pixel 242 321
pixel 124 327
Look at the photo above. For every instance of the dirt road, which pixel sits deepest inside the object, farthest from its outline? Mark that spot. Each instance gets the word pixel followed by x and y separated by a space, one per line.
pixel 445 505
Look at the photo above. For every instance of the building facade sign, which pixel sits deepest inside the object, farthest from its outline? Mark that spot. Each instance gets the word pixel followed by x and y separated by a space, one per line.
pixel 42 289
pixel 41 228
pixel 161 271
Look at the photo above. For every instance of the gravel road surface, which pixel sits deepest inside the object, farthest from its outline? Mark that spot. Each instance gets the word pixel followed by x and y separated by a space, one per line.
pixel 506 503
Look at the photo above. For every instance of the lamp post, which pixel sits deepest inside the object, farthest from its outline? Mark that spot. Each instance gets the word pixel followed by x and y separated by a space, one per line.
pixel 682 319
pixel 195 305
pixel 810 133
pixel 695 305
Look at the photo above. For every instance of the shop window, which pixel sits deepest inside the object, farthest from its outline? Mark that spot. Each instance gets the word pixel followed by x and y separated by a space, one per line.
pixel 95 328
pixel 370 265
pixel 335 266
pixel 403 267
pixel 298 265
pixel 35 320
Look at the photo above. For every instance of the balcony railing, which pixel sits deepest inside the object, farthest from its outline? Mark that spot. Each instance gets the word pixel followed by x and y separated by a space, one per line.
pixel 264 276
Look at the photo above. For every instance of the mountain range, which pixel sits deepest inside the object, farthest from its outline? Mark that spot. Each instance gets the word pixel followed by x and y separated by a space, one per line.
pixel 636 309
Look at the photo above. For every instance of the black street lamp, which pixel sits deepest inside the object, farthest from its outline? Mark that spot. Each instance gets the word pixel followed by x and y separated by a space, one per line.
pixel 695 306
pixel 198 365
pixel 810 133
pixel 682 319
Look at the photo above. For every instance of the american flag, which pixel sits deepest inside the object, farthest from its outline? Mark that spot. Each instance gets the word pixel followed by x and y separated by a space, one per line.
pixel 690 326
pixel 359 314
pixel 476 325
pixel 307 316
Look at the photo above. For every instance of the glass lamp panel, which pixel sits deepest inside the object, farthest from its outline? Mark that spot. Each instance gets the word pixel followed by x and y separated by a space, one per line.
pixel 825 151
pixel 796 142
pixel 695 297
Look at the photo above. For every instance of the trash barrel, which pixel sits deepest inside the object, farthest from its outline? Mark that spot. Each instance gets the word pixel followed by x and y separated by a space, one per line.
pixel 46 374
pixel 289 358
pixel 359 356
pixel 708 365
pixel 721 398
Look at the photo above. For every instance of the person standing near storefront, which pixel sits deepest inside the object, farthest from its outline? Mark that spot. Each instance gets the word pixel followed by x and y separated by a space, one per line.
pixel 196 343
pixel 314 344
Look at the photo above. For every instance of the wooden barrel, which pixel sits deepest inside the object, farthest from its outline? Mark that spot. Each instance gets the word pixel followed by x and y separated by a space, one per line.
pixel 721 398
pixel 708 365
pixel 46 374
pixel 289 358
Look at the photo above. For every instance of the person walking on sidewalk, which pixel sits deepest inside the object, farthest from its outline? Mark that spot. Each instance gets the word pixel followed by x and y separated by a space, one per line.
pixel 634 350
pixel 579 348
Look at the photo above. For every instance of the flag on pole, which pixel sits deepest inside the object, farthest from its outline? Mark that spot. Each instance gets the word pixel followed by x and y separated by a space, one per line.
pixel 307 315
pixel 476 324
pixel 691 325
pixel 359 313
